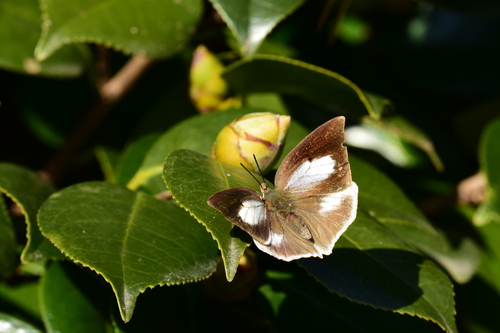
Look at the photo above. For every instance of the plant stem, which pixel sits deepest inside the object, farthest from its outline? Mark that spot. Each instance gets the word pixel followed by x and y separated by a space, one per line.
pixel 110 93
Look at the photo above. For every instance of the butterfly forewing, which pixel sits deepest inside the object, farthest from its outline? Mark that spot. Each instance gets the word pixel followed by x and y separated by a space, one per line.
pixel 243 207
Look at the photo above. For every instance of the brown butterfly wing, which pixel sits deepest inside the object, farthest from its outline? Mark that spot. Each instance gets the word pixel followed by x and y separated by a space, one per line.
pixel 244 208
pixel 316 180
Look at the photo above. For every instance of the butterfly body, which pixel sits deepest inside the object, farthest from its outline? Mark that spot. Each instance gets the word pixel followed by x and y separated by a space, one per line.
pixel 312 204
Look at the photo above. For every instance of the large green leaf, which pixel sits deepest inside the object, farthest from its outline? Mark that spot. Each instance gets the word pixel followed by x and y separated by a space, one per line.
pixel 265 73
pixel 371 265
pixel 8 253
pixel 489 158
pixel 385 202
pixel 251 20
pixel 19 32
pixel 29 191
pixel 197 133
pixel 155 28
pixel 69 296
pixel 132 239
pixel 292 296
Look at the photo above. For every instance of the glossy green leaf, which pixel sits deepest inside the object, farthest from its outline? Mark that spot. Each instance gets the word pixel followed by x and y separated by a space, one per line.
pixel 292 296
pixel 19 32
pixel 265 73
pixel 384 201
pixel 251 21
pixel 29 191
pixel 490 266
pixel 69 296
pixel 197 133
pixel 371 265
pixel 21 300
pixel 489 157
pixel 8 253
pixel 107 158
pixel 131 158
pixel 132 239
pixel 192 178
pixel 155 29
pixel 10 324
pixel 389 136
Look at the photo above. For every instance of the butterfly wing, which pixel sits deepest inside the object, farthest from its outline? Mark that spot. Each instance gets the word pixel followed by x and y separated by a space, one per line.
pixel 315 178
pixel 244 208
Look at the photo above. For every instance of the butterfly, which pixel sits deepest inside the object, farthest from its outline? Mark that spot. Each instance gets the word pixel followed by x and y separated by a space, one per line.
pixel 312 204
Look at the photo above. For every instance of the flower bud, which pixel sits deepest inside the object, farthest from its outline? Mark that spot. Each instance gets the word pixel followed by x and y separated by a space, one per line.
pixel 260 134
pixel 207 87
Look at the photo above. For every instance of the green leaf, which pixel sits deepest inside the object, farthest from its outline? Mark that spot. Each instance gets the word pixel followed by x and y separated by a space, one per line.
pixel 68 296
pixel 292 296
pixel 193 178
pixel 29 191
pixel 371 265
pixel 8 253
pixel 251 20
pixel 389 137
pixel 131 159
pixel 19 32
pixel 384 201
pixel 265 73
pixel 132 239
pixel 490 266
pixel 10 324
pixel 155 29
pixel 21 300
pixel 197 133
pixel 107 158
pixel 489 159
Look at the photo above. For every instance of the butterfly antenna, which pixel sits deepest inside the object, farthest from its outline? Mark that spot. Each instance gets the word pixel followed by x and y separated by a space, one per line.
pixel 258 167
pixel 251 174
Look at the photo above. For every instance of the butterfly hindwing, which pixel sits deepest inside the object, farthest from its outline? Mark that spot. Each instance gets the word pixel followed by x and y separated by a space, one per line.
pixel 287 240
pixel 244 208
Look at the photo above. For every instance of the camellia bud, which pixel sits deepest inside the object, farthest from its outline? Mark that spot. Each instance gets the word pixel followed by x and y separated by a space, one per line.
pixel 260 134
pixel 207 87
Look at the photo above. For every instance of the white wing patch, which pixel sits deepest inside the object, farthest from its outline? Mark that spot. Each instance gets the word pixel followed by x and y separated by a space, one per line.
pixel 309 173
pixel 333 201
pixel 251 212
pixel 276 239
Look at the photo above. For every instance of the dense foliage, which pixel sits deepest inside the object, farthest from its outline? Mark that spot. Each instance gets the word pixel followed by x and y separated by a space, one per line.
pixel 109 113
